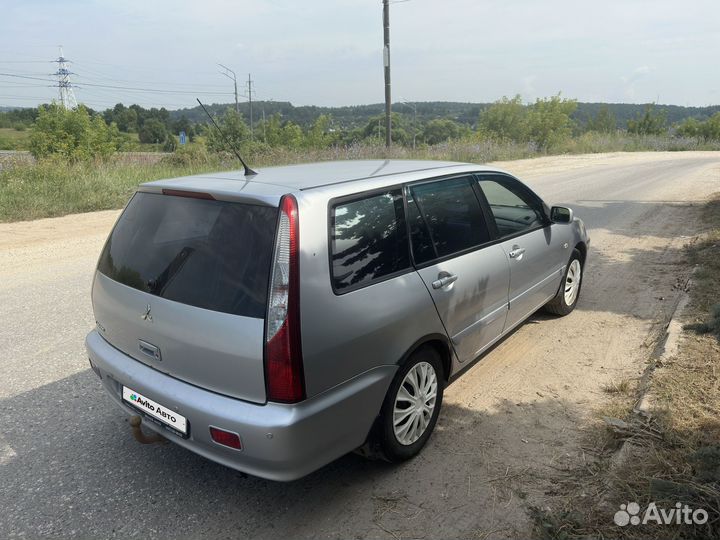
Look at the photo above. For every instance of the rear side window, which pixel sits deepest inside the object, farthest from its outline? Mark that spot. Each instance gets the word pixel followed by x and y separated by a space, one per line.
pixel 445 218
pixel 368 240
pixel 209 254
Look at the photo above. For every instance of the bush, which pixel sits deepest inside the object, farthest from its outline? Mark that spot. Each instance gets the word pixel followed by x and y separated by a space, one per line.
pixel 171 143
pixel 187 156
pixel 549 122
pixel 505 120
pixel 71 134
pixel 648 123
pixel 153 131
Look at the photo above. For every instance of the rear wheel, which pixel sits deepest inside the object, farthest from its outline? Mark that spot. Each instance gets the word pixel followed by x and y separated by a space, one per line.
pixel 567 296
pixel 411 406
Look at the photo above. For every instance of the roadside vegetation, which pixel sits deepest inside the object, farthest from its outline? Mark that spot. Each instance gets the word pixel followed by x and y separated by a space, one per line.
pixel 81 160
pixel 670 452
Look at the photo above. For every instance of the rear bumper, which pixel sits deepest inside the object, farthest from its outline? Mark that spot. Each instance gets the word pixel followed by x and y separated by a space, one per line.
pixel 280 441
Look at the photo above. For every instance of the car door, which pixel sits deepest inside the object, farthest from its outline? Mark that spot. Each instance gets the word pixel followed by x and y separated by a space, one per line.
pixel 535 251
pixel 466 275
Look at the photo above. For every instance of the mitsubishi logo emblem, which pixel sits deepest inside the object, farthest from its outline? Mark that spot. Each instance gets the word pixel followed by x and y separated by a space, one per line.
pixel 147 316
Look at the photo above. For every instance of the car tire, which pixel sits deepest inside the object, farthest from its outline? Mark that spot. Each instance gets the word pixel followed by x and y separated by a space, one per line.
pixel 569 292
pixel 418 383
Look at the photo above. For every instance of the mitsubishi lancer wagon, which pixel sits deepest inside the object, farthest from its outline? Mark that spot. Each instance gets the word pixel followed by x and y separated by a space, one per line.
pixel 274 322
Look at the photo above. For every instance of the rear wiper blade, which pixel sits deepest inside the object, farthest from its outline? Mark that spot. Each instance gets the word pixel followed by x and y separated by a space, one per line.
pixel 158 285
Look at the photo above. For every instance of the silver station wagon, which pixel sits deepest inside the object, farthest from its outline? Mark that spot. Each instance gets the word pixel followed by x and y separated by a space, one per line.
pixel 277 321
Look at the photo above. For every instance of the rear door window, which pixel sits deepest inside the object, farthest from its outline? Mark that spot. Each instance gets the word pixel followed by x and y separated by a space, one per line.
pixel 445 219
pixel 368 240
pixel 210 254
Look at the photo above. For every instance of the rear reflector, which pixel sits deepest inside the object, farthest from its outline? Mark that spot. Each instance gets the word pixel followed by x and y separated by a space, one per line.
pixel 226 438
pixel 190 194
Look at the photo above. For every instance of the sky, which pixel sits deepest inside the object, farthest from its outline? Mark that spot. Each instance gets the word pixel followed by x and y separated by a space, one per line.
pixel 312 52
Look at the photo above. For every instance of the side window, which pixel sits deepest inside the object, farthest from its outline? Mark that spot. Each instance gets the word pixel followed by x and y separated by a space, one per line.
pixel 514 208
pixel 445 218
pixel 369 240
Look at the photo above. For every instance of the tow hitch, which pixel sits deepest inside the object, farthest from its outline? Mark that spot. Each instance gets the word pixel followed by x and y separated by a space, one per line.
pixel 135 422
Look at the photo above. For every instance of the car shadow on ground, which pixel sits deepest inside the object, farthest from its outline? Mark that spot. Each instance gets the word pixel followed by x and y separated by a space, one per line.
pixel 70 467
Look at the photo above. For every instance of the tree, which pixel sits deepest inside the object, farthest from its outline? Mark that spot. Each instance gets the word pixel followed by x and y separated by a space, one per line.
pixel 375 129
pixel 506 119
pixel 603 122
pixel 319 134
pixel 648 122
pixel 440 130
pixel 235 129
pixel 183 124
pixel 72 134
pixel 710 129
pixel 549 122
pixel 152 131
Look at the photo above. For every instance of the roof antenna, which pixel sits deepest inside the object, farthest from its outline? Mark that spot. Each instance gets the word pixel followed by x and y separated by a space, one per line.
pixel 248 170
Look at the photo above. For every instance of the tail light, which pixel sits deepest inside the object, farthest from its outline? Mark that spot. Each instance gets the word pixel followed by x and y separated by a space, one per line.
pixel 283 352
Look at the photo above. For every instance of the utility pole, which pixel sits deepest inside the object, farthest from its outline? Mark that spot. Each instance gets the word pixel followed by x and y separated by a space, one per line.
pixel 230 74
pixel 249 84
pixel 386 61
pixel 65 87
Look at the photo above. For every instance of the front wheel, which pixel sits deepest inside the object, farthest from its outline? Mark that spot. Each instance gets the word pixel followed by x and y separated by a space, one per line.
pixel 411 406
pixel 567 296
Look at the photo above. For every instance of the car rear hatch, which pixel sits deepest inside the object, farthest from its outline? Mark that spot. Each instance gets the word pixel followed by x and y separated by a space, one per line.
pixel 182 286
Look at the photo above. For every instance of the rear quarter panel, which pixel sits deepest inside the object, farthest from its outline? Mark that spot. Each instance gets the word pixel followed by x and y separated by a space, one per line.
pixel 348 334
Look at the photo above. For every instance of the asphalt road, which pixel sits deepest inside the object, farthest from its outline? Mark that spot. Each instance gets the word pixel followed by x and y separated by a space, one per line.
pixel 69 467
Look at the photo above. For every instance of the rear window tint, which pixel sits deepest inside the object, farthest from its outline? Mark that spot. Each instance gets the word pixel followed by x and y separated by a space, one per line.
pixel 209 254
pixel 448 214
pixel 369 240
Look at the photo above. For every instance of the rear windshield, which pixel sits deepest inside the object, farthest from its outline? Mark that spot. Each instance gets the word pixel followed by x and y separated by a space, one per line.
pixel 209 254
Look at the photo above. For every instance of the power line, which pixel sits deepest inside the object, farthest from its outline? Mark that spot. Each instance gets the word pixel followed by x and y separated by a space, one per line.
pixel 115 87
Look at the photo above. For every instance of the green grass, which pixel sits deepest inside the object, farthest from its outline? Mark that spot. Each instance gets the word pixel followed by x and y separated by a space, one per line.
pixel 12 139
pixel 31 190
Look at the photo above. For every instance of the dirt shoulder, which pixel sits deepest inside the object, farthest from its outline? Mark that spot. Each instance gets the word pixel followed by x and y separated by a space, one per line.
pixel 658 444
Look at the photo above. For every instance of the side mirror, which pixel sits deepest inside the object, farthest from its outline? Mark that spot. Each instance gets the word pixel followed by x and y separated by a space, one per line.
pixel 561 214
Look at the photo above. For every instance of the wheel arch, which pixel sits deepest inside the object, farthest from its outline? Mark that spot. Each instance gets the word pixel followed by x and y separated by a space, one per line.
pixel 582 248
pixel 440 343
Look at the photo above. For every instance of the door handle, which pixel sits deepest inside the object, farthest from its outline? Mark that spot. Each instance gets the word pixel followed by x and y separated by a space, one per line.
pixel 446 279
pixel 517 252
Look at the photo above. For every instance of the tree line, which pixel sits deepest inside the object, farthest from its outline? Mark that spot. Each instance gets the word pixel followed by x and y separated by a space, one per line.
pixel 545 124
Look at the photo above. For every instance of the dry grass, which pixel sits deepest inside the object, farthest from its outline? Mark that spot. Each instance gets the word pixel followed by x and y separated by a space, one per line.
pixel 671 456
pixel 624 386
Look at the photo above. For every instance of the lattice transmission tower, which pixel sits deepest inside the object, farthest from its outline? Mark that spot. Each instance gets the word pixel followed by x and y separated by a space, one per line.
pixel 65 87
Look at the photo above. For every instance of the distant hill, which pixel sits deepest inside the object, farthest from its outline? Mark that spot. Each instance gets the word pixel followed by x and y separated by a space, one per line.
pixel 467 113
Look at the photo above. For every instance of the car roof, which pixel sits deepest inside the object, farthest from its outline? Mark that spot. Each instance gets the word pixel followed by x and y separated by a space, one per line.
pixel 313 175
